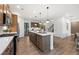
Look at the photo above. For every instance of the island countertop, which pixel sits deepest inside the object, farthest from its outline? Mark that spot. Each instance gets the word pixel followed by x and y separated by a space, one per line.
pixel 4 42
pixel 42 34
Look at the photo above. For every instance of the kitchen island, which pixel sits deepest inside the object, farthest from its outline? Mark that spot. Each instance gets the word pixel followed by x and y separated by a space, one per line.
pixel 44 41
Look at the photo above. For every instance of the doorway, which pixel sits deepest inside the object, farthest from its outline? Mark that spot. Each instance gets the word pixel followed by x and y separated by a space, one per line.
pixel 26 29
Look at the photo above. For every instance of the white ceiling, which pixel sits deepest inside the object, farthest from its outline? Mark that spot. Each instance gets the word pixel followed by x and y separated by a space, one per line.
pixel 29 11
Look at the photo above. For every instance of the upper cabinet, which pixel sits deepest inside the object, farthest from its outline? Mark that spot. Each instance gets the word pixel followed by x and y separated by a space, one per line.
pixel 13 25
pixel 1 14
pixel 5 14
pixel 7 18
pixel 14 19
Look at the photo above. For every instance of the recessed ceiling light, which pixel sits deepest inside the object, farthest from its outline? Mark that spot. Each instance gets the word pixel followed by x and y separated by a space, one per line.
pixel 47 21
pixel 18 6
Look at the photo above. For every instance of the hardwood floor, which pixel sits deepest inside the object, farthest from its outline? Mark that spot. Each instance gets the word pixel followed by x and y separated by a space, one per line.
pixel 65 46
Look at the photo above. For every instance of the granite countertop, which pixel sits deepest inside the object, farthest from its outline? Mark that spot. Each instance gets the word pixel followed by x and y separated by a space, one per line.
pixel 43 34
pixel 1 33
pixel 4 42
pixel 6 34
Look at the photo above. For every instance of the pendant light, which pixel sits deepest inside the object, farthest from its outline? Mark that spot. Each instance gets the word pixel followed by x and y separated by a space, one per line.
pixel 40 18
pixel 47 21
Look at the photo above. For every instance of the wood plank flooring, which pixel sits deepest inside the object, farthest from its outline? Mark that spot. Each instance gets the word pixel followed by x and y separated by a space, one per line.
pixel 65 46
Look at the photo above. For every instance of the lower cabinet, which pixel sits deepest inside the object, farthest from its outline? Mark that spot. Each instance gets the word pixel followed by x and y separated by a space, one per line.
pixel 42 42
pixel 39 42
pixel 33 37
pixel 9 50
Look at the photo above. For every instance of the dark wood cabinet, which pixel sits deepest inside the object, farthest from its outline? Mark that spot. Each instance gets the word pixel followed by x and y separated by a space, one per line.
pixel 14 19
pixel 42 42
pixel 33 38
pixel 13 25
pixel 5 14
pixel 39 42
pixel 1 14
pixel 8 16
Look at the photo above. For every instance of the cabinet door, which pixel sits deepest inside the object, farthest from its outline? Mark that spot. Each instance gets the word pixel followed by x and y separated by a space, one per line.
pixel 30 34
pixel 43 42
pixel 14 19
pixel 39 42
pixel 13 26
pixel 34 38
pixel 46 43
pixel 1 14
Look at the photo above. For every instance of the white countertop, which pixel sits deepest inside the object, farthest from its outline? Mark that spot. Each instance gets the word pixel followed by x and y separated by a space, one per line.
pixel 4 42
pixel 42 34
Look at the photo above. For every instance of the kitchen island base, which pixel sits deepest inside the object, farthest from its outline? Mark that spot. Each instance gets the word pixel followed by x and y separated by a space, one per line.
pixel 42 41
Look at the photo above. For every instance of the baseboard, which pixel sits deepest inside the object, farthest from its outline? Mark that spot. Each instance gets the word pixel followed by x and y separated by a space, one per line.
pixel 61 36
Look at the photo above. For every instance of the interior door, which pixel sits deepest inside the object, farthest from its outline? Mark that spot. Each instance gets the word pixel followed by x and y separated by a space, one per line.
pixel 74 27
pixel 26 28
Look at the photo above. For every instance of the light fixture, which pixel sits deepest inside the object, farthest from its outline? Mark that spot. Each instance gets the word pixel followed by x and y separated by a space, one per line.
pixel 47 21
pixel 18 6
pixel 5 27
pixel 35 24
pixel 40 18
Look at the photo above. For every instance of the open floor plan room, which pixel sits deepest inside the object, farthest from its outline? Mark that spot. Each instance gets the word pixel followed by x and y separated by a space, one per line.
pixel 39 29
